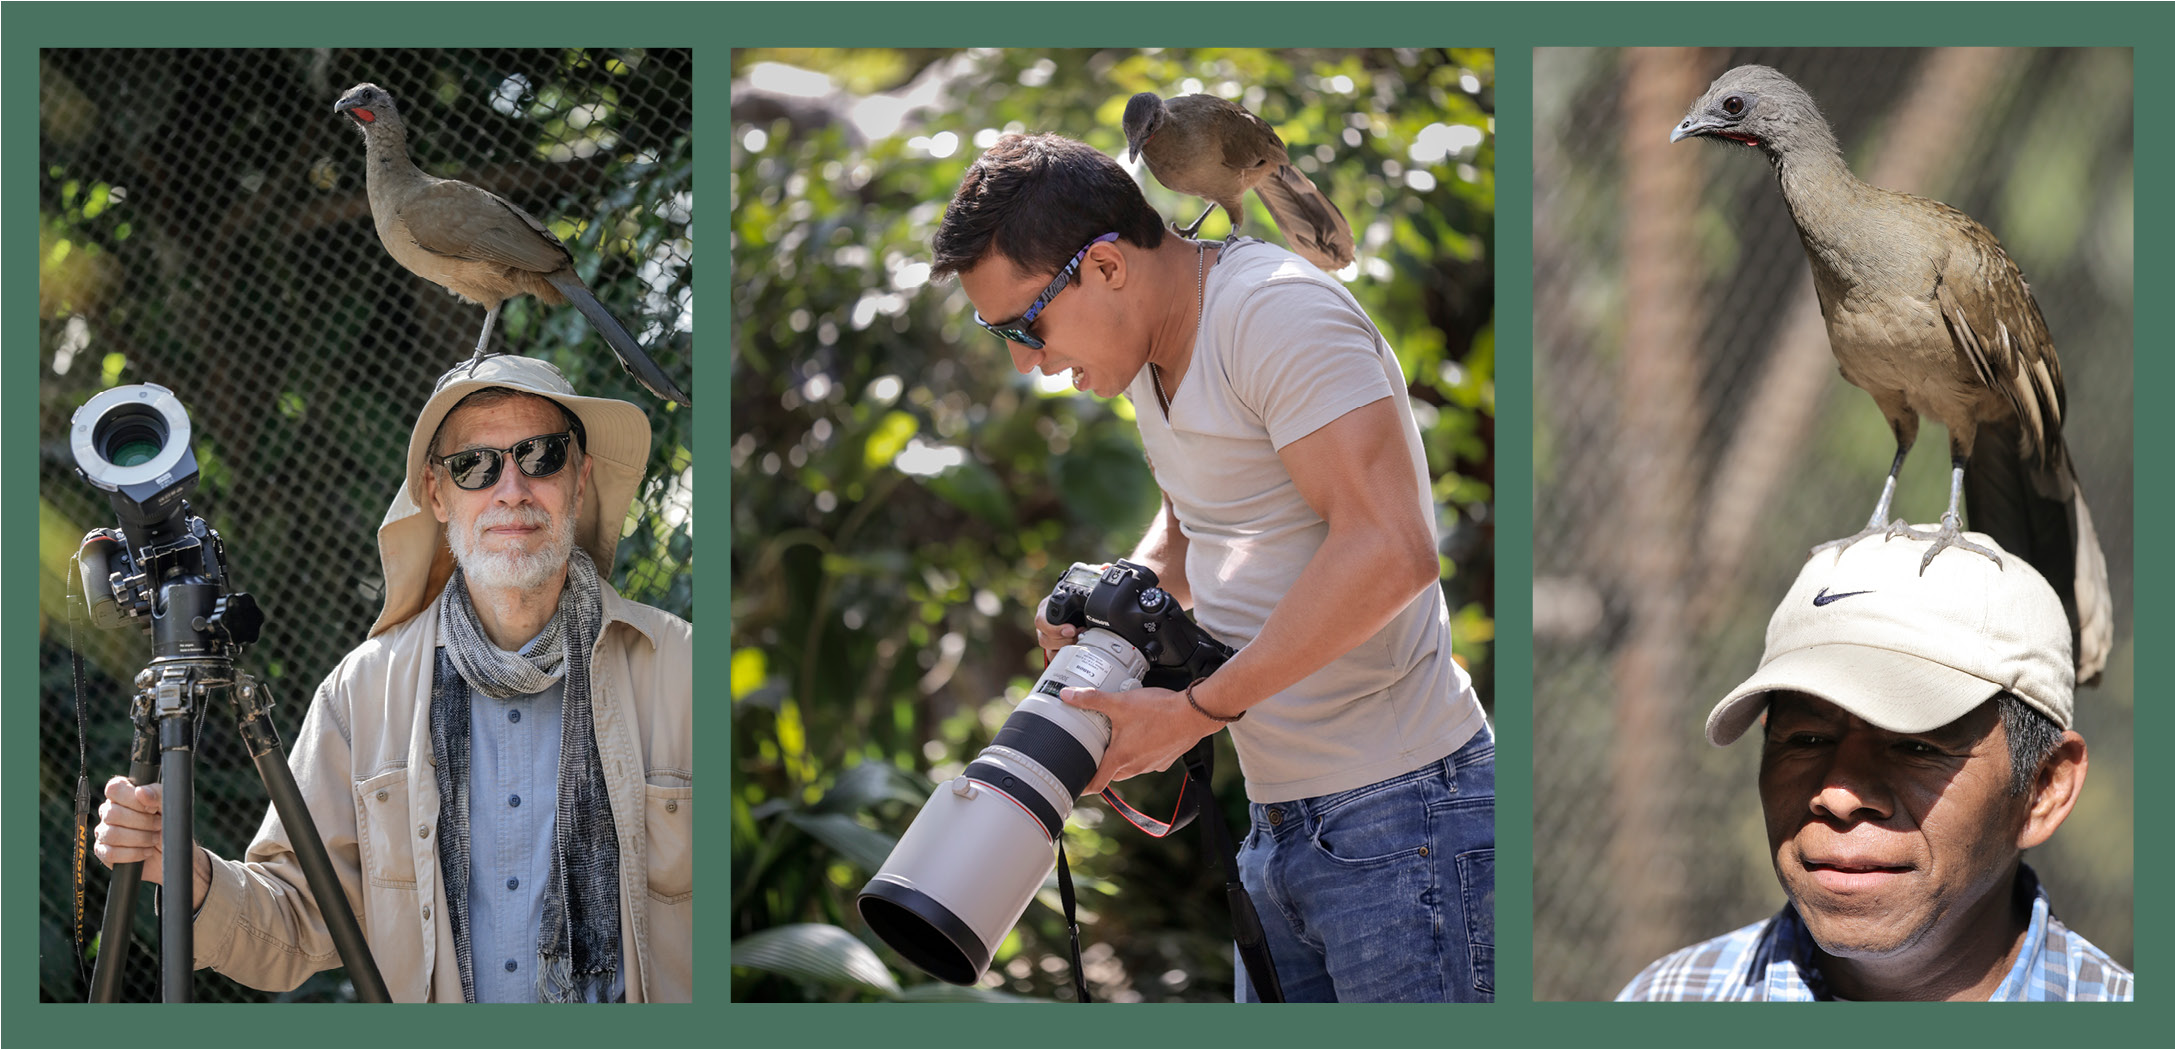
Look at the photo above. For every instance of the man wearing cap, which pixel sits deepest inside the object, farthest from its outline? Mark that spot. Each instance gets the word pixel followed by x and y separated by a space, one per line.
pixel 502 773
pixel 1916 741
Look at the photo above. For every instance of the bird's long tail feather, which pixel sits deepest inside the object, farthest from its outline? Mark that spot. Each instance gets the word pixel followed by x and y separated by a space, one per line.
pixel 2037 511
pixel 1310 221
pixel 631 356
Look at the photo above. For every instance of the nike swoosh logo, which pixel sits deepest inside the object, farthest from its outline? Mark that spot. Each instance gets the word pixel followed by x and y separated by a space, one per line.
pixel 1824 597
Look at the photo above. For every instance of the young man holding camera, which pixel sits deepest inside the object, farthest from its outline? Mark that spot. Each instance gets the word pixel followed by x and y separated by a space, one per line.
pixel 502 774
pixel 1296 522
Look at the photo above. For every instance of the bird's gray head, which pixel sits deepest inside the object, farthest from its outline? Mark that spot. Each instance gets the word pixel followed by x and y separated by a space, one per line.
pixel 369 106
pixel 1759 107
pixel 1144 113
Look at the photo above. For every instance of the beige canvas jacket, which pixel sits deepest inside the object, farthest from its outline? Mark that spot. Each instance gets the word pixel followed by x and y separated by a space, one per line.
pixel 363 761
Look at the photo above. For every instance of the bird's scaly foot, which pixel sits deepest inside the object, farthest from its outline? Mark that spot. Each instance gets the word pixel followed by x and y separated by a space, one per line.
pixel 1892 530
pixel 1951 534
pixel 477 359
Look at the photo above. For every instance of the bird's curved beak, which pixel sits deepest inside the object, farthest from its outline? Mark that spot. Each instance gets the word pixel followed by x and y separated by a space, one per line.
pixel 1691 126
pixel 354 108
pixel 1132 150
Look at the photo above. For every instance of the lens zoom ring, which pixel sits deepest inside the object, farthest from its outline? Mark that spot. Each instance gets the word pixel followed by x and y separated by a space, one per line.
pixel 1049 744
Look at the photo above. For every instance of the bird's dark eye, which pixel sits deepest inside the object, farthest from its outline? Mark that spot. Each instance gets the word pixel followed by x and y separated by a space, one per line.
pixel 1733 105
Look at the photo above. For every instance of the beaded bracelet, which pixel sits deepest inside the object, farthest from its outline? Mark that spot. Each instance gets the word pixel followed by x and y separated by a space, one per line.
pixel 1196 705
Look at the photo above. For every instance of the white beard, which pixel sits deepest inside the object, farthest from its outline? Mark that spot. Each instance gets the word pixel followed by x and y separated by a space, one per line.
pixel 512 570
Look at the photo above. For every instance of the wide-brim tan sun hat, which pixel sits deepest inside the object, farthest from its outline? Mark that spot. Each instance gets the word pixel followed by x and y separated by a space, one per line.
pixel 1909 651
pixel 412 543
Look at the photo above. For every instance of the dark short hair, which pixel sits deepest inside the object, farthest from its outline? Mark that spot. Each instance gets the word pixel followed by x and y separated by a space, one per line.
pixel 2033 737
pixel 1037 200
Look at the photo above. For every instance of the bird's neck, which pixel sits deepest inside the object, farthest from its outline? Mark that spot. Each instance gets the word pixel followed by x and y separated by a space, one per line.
pixel 1828 203
pixel 387 157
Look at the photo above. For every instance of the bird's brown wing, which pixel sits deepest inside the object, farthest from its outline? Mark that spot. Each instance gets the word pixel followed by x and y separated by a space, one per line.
pixel 1995 324
pixel 1252 142
pixel 457 219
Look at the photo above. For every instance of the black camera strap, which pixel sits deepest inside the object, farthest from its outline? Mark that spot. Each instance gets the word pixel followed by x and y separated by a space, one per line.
pixel 1195 796
pixel 1072 921
pixel 82 843
pixel 1216 838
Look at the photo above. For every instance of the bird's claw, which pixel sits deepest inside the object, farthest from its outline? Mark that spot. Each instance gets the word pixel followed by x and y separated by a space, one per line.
pixel 1889 531
pixel 1951 534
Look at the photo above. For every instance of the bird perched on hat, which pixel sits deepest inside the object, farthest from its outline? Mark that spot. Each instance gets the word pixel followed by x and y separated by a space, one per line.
pixel 475 243
pixel 1929 315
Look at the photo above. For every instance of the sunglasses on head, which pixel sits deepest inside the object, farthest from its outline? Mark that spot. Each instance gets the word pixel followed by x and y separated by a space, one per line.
pixel 478 468
pixel 1016 331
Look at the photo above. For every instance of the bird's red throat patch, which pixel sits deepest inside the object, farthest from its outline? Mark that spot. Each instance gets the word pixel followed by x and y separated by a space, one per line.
pixel 363 115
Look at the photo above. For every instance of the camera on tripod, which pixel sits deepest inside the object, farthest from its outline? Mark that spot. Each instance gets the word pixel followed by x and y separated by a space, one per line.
pixel 962 875
pixel 163 569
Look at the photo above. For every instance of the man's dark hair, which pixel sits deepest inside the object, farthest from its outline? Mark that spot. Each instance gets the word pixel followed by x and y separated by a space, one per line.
pixel 1037 200
pixel 2032 740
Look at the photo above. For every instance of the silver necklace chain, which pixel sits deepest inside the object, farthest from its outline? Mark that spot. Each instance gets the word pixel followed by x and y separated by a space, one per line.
pixel 1200 310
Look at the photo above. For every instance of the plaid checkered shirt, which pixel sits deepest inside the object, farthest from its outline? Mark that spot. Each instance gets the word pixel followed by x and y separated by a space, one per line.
pixel 1773 960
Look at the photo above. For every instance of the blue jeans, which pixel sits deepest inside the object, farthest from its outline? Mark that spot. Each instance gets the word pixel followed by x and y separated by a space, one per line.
pixel 1384 893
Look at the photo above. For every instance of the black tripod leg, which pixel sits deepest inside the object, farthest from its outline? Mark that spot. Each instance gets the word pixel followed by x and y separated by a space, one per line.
pixel 279 782
pixel 177 824
pixel 114 933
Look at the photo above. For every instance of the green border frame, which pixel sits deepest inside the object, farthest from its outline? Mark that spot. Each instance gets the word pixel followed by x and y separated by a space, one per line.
pixel 1513 29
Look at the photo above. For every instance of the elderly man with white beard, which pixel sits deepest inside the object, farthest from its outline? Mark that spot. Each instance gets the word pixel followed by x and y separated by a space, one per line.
pixel 503 772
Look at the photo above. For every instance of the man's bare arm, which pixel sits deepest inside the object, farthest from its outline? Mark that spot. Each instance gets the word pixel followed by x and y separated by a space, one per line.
pixel 1379 554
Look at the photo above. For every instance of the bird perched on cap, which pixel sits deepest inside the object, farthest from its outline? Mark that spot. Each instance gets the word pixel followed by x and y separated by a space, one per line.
pixel 1213 148
pixel 475 243
pixel 1926 313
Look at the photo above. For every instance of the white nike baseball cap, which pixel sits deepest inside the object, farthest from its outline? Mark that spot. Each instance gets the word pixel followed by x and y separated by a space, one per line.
pixel 1865 630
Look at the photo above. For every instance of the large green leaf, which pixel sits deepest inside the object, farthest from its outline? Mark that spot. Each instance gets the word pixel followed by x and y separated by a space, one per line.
pixel 816 952
pixel 865 847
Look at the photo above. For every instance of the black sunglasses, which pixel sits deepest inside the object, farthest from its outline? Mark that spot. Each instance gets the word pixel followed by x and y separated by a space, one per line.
pixel 478 468
pixel 1016 331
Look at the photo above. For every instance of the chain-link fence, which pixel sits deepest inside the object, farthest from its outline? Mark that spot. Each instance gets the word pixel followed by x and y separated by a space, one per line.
pixel 203 226
pixel 1693 441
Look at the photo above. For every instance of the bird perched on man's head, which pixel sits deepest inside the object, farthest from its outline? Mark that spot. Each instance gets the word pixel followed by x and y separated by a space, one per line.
pixel 1928 314
pixel 475 243
pixel 1214 148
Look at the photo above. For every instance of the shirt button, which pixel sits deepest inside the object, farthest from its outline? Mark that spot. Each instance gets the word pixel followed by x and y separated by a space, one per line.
pixel 514 801
pixel 513 884
pixel 511 966
pixel 514 715
pixel 426 911
pixel 422 831
pixel 382 794
pixel 672 805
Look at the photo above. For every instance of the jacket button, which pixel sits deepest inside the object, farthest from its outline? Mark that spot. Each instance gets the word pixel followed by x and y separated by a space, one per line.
pixel 672 805
pixel 383 794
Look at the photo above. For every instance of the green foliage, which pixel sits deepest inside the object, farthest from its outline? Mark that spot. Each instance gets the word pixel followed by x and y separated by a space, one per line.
pixel 902 499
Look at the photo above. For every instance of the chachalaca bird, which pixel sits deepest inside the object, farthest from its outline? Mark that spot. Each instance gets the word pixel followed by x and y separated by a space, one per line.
pixel 475 243
pixel 1926 313
pixel 1213 148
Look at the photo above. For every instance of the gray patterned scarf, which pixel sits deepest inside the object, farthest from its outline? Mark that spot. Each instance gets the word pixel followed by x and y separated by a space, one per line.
pixel 578 945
